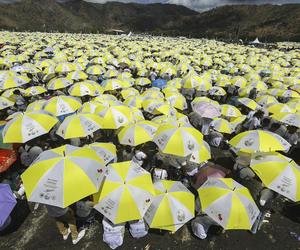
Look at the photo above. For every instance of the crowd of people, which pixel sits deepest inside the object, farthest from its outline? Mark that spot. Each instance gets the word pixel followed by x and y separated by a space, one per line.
pixel 220 90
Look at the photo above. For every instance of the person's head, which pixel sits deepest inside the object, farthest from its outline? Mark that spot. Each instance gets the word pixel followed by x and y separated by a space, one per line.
pixel 159 163
pixel 274 126
pixel 128 149
pixel 292 129
pixel 266 122
pixel 17 92
pixel 259 114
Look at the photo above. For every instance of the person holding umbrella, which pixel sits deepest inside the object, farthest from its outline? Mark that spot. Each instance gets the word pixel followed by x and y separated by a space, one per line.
pixel 63 217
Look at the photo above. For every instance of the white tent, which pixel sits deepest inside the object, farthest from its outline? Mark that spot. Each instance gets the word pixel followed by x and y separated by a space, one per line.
pixel 256 41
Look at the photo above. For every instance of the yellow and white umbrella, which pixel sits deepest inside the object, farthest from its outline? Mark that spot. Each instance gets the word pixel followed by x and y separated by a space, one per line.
pixel 278 173
pixel 171 118
pixel 85 88
pixel 5 103
pixel 112 84
pixel 12 80
pixel 95 70
pixel 36 105
pixel 106 151
pixel 172 207
pixel 249 103
pixel 90 107
pixel 265 100
pixel 77 75
pixel 228 203
pixel 62 105
pixel 291 119
pixel 63 175
pixel 129 92
pixel 64 67
pixel 134 101
pixel 59 83
pixel 177 100
pixel 222 125
pixel 280 108
pixel 127 187
pixel 35 90
pixel 115 117
pixel 27 126
pixel 201 155
pixel 192 81
pixel 142 81
pixel 180 140
pixel 137 133
pixel 230 111
pixel 79 125
pixel 259 141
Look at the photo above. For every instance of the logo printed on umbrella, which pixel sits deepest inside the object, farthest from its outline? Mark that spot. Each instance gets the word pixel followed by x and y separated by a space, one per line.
pixel 249 142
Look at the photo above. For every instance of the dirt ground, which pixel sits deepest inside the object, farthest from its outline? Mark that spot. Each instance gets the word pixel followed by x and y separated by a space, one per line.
pixel 39 232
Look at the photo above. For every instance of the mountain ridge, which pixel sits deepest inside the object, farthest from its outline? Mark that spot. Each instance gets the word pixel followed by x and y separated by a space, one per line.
pixel 269 22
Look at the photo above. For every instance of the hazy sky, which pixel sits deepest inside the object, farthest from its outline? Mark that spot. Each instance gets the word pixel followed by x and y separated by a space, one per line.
pixel 195 4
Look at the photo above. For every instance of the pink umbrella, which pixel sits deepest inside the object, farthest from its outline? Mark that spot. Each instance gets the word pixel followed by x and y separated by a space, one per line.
pixel 209 171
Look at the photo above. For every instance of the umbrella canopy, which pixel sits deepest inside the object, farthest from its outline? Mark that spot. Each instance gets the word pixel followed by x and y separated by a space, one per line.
pixel 137 133
pixel 176 139
pixel 59 83
pixel 228 203
pixel 27 126
pixel 172 207
pixel 79 125
pixel 222 125
pixel 7 202
pixel 278 173
pixel 259 141
pixel 230 111
pixel 85 88
pixel 62 105
pixel 9 79
pixel 201 155
pixel 35 90
pixel 106 151
pixel 115 117
pixel 206 110
pixel 5 103
pixel 249 103
pixel 127 187
pixel 63 175
pixel 159 83
pixel 288 118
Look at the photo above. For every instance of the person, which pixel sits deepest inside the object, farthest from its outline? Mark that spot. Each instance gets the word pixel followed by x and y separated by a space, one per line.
pixel 29 153
pixel 159 172
pixel 266 197
pixel 277 128
pixel 152 75
pixel 253 94
pixel 291 135
pixel 255 121
pixel 201 224
pixel 84 215
pixel 20 101
pixel 75 142
pixel 113 234
pixel 138 228
pixel 127 153
pixel 242 165
pixel 63 217
pixel 139 157
pixel 215 138
pixel 204 123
